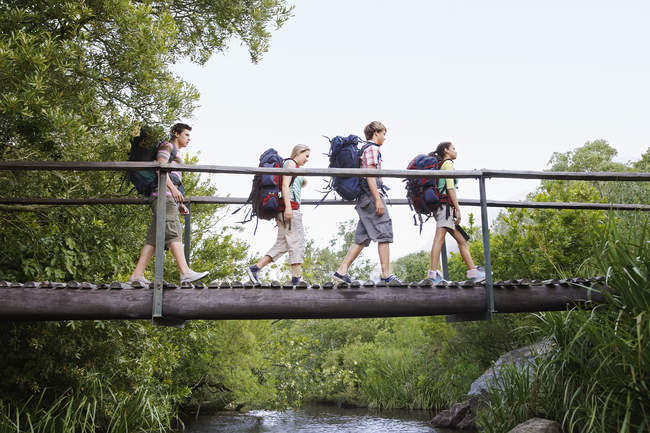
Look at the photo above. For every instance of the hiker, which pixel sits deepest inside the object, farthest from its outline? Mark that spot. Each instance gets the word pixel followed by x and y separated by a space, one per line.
pixel 291 234
pixel 374 221
pixel 448 218
pixel 180 138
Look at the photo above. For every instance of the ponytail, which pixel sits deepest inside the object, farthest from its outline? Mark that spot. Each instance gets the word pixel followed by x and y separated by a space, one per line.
pixel 440 150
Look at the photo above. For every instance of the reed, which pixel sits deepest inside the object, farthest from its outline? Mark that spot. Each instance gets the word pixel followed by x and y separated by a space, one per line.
pixel 105 412
pixel 596 378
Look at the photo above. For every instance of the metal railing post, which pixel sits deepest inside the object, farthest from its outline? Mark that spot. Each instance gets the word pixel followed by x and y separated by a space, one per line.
pixel 160 246
pixel 489 290
pixel 187 235
pixel 445 264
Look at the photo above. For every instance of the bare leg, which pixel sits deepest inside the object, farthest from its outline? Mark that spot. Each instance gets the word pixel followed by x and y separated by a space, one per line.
pixel 384 258
pixel 179 255
pixel 146 254
pixel 463 247
pixel 296 270
pixel 263 262
pixel 436 248
pixel 352 254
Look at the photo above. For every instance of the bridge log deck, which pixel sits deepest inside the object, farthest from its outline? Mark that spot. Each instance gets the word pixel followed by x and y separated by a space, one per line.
pixel 226 301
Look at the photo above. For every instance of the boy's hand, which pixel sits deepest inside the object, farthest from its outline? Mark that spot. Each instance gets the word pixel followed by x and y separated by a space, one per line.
pixel 379 207
pixel 178 196
pixel 457 215
pixel 183 210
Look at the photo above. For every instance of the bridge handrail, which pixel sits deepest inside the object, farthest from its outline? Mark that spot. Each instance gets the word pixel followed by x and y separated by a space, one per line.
pixel 313 202
pixel 634 176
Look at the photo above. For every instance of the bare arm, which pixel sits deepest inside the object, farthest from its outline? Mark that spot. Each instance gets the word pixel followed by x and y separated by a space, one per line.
pixel 286 193
pixel 451 193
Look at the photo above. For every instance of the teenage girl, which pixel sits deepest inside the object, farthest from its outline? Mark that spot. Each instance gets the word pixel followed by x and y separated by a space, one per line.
pixel 447 217
pixel 291 235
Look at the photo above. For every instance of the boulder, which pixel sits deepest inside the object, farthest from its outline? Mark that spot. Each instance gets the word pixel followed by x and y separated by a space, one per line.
pixel 538 425
pixel 452 416
pixel 521 358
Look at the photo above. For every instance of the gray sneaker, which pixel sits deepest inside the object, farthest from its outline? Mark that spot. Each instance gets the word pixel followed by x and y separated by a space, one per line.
pixel 252 274
pixel 192 276
pixel 342 278
pixel 142 280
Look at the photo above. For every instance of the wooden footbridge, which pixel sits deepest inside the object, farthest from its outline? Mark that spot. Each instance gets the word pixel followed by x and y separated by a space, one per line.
pixel 169 304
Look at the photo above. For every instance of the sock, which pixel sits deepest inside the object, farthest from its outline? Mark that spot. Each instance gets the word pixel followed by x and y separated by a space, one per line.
pixel 295 280
pixel 254 268
pixel 432 273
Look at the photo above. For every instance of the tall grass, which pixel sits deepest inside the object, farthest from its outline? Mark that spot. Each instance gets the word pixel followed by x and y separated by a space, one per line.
pixel 104 412
pixel 596 378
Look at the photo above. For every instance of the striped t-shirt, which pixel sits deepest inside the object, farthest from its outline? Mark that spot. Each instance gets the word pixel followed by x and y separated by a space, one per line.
pixel 164 151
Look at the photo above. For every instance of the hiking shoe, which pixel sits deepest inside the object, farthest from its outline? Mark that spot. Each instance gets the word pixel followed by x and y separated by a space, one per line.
pixel 477 275
pixel 391 279
pixel 192 276
pixel 436 278
pixel 142 280
pixel 342 278
pixel 252 274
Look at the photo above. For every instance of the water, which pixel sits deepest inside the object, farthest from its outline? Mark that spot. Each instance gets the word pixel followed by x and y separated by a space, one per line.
pixel 316 419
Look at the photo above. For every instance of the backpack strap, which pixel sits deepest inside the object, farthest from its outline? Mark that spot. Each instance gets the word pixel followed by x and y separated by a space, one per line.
pixel 292 177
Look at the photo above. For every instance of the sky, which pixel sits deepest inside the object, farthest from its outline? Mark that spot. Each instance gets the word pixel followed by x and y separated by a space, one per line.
pixel 508 82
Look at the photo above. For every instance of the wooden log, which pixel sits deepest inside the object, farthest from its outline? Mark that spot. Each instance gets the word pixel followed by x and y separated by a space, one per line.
pixel 38 303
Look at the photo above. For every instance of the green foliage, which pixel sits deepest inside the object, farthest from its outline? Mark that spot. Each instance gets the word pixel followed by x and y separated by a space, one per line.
pixel 596 376
pixel 321 262
pixel 412 267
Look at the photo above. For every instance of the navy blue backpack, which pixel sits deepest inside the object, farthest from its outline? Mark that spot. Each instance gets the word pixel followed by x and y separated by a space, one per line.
pixel 345 153
pixel 422 193
pixel 265 192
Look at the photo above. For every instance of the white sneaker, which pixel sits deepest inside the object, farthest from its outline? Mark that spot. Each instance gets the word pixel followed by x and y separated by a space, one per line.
pixel 477 275
pixel 142 280
pixel 192 276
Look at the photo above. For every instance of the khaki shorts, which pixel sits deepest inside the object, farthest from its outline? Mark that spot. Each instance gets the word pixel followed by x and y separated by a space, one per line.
pixel 444 221
pixel 372 226
pixel 290 240
pixel 173 227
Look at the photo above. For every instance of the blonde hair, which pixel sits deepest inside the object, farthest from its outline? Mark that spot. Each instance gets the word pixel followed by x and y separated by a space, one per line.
pixel 297 150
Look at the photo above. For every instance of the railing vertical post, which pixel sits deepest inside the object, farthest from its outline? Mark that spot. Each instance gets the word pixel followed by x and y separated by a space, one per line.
pixel 486 249
pixel 160 246
pixel 445 264
pixel 187 235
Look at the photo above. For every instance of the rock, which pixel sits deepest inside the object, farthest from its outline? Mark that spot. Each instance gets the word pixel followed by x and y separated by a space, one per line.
pixel 521 358
pixel 538 425
pixel 453 416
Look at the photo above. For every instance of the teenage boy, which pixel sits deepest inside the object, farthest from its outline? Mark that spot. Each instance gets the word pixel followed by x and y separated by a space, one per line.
pixel 374 222
pixel 180 138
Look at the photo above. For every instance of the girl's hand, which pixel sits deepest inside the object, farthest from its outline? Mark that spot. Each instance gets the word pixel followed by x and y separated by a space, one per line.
pixel 288 214
pixel 457 215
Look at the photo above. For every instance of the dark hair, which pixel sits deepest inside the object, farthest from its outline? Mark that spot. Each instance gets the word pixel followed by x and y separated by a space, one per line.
pixel 440 150
pixel 372 127
pixel 178 128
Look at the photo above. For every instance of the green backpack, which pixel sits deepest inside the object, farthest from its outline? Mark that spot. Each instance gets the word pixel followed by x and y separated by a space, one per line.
pixel 144 147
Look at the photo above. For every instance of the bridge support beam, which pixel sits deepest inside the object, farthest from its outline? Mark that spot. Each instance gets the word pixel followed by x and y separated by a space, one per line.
pixel 80 301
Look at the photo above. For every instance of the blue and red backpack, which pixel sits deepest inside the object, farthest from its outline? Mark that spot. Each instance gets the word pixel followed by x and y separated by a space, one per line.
pixel 423 194
pixel 345 153
pixel 264 197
